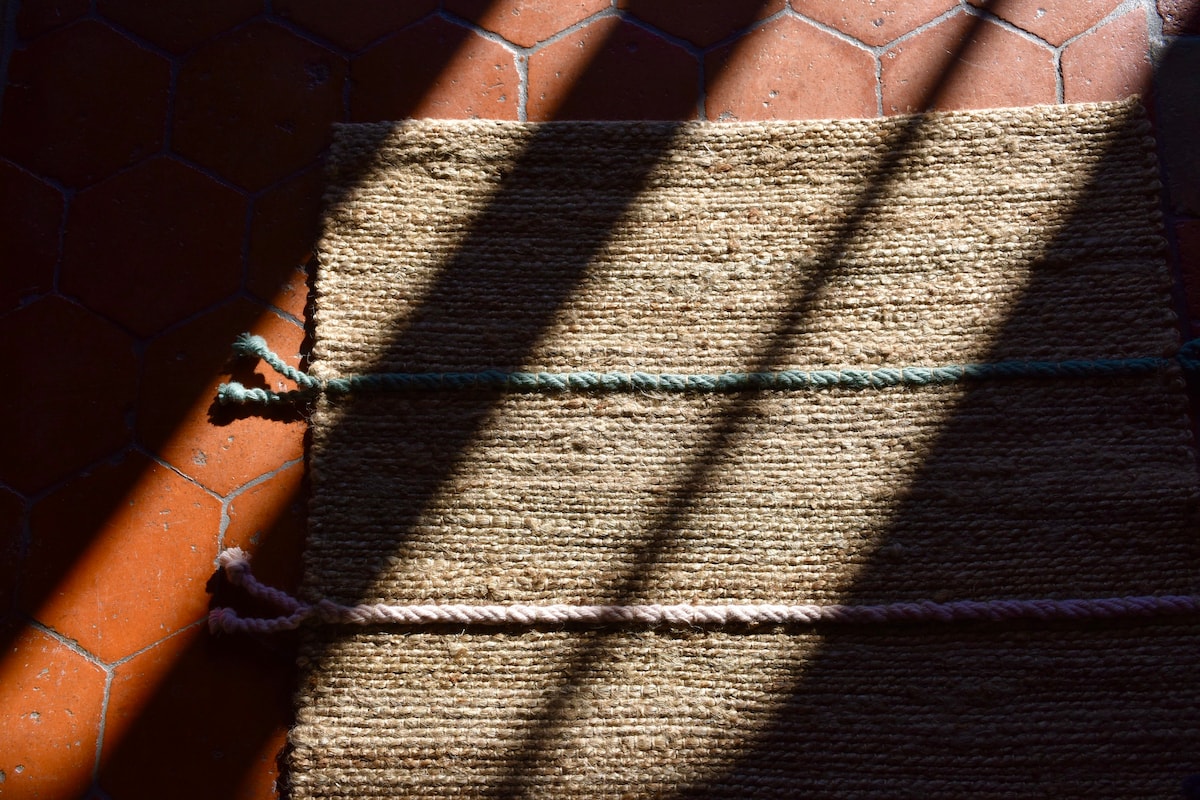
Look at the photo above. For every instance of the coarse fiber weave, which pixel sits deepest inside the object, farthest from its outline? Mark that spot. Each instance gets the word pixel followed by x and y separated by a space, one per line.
pixel 696 248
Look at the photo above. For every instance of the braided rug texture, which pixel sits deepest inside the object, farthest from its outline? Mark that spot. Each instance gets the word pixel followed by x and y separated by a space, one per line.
pixel 962 237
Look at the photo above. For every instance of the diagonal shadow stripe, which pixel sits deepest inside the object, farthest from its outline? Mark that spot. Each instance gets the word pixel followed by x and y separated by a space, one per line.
pixel 892 708
pixel 732 423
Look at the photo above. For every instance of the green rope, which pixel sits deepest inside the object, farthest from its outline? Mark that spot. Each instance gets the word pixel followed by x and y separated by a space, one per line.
pixel 1187 358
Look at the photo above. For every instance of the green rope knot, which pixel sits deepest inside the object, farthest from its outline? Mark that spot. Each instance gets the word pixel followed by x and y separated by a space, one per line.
pixel 236 393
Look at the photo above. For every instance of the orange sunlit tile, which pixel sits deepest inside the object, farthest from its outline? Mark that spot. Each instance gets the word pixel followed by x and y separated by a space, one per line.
pixel 1053 20
pixel 137 576
pixel 982 65
pixel 268 521
pixel 1090 74
pixel 183 370
pixel 192 718
pixel 50 704
pixel 449 72
pixel 523 22
pixel 612 69
pixel 790 69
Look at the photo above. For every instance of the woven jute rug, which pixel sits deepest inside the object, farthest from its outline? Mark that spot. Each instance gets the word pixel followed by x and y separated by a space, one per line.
pixel 586 307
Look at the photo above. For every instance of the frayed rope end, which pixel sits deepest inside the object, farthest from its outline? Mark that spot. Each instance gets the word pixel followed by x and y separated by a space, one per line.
pixel 249 344
pixel 237 394
pixel 232 393
pixel 233 560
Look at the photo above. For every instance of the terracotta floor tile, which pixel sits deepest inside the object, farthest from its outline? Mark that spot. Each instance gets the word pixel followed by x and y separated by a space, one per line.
pixel 701 22
pixel 36 17
pixel 1178 83
pixel 283 233
pixel 51 700
pixel 257 104
pixel 268 522
pixel 119 558
pixel 110 101
pixel 434 69
pixel 1180 17
pixel 525 22
pixel 1109 63
pixel 875 22
pixel 612 69
pixel 154 245
pixel 1053 20
pixel 965 62
pixel 196 717
pixel 178 25
pixel 356 23
pixel 31 213
pixel 789 69
pixel 12 520
pixel 177 416
pixel 78 375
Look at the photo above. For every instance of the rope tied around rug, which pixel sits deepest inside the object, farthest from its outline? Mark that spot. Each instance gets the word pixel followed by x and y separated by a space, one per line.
pixel 236 566
pixel 1187 358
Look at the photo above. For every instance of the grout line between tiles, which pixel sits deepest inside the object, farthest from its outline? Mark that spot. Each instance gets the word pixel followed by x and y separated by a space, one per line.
pixel 182 630
pixel 66 641
pixel 109 673
pixel 1060 92
pixel 878 83
pixel 882 49
pixel 227 500
pixel 751 28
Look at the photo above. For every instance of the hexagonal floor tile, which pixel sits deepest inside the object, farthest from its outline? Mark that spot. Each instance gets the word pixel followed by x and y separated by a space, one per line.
pixel 119 558
pixel 154 245
pixel 78 375
pixel 1053 20
pixel 1109 63
pixel 966 62
pixel 268 522
pixel 109 109
pixel 178 25
pixel 434 69
pixel 701 22
pixel 789 69
pixel 356 23
pixel 257 104
pixel 283 235
pixel 183 370
pixel 874 22
pixel 51 699
pixel 612 69
pixel 31 213
pixel 523 22
pixel 197 717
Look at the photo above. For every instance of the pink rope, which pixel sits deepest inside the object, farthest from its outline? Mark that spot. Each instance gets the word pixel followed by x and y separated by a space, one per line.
pixel 237 568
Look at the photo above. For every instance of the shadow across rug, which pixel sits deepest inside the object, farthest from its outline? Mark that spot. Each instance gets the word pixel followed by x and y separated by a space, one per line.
pixel 489 294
